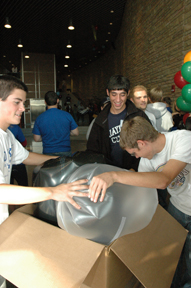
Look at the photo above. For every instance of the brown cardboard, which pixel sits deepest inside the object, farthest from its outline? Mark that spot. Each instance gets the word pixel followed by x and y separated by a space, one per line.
pixel 36 254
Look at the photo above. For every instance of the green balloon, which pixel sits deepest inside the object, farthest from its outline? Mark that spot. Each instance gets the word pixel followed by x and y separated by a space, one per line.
pixel 183 105
pixel 186 93
pixel 186 71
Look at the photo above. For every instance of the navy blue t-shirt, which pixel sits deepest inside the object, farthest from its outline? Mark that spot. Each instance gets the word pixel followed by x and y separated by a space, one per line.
pixel 115 122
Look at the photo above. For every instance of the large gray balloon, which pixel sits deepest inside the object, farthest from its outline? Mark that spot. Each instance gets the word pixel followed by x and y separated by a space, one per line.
pixel 125 209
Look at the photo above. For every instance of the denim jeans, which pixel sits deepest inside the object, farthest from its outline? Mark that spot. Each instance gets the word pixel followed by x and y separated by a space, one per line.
pixel 182 279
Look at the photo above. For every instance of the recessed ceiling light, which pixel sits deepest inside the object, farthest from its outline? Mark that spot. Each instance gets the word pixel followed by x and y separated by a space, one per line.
pixel 111 11
pixel 7 23
pixel 20 45
pixel 71 26
pixel 66 65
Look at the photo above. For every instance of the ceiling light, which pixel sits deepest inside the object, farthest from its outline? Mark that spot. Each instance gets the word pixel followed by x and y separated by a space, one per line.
pixel 20 45
pixel 111 11
pixel 109 33
pixel 7 23
pixel 69 44
pixel 4 56
pixel 66 65
pixel 111 23
pixel 27 56
pixel 67 56
pixel 71 26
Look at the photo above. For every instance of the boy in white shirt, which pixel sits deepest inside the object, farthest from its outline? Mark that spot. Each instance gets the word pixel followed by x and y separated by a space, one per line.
pixel 167 153
pixel 12 98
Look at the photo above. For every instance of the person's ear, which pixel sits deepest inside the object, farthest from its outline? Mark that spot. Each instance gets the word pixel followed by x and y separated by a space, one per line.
pixel 131 99
pixel 141 143
pixel 107 91
pixel 128 93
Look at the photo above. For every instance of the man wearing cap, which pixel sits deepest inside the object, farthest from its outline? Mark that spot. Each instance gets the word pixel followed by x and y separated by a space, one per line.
pixel 105 133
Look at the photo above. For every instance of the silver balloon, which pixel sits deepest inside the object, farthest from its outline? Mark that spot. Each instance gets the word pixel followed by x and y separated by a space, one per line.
pixel 125 209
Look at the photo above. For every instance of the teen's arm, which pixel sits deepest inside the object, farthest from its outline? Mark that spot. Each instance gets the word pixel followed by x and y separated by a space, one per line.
pixel 37 138
pixel 37 159
pixel 74 132
pixel 158 180
pixel 14 194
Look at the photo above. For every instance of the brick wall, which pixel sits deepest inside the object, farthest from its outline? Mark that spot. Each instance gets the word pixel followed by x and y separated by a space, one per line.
pixel 150 48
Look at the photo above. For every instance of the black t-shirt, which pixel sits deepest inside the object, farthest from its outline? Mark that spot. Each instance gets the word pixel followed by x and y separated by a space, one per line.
pixel 115 122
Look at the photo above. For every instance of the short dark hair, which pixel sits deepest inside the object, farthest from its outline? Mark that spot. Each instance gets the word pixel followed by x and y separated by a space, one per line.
pixel 8 83
pixel 118 82
pixel 51 98
pixel 167 100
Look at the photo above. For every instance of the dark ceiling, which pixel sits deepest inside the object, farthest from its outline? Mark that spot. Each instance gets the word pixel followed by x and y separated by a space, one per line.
pixel 42 26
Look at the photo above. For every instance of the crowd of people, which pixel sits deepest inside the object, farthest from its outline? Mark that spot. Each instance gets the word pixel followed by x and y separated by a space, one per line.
pixel 134 130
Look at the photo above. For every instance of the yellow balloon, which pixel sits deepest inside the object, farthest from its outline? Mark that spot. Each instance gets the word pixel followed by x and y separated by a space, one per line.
pixel 187 57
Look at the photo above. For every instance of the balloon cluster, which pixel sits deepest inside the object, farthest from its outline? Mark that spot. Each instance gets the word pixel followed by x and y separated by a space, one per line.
pixel 182 79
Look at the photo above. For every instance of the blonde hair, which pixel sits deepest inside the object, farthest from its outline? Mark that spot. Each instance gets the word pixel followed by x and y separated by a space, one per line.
pixel 138 88
pixel 155 94
pixel 137 128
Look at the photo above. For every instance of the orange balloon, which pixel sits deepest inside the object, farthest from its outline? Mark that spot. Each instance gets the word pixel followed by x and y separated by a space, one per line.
pixel 187 57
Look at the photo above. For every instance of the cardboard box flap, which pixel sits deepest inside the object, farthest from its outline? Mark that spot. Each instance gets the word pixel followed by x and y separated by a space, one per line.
pixel 27 209
pixel 36 254
pixel 110 272
pixel 154 251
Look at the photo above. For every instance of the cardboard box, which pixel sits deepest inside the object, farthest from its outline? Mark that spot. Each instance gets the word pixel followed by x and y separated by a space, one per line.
pixel 36 254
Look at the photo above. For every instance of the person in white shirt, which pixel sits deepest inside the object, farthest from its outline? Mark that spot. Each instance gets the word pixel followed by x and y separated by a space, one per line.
pixel 139 96
pixel 165 162
pixel 12 98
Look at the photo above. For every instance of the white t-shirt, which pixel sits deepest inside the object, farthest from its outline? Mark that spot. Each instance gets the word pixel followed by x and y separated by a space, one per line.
pixel 178 147
pixel 12 152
